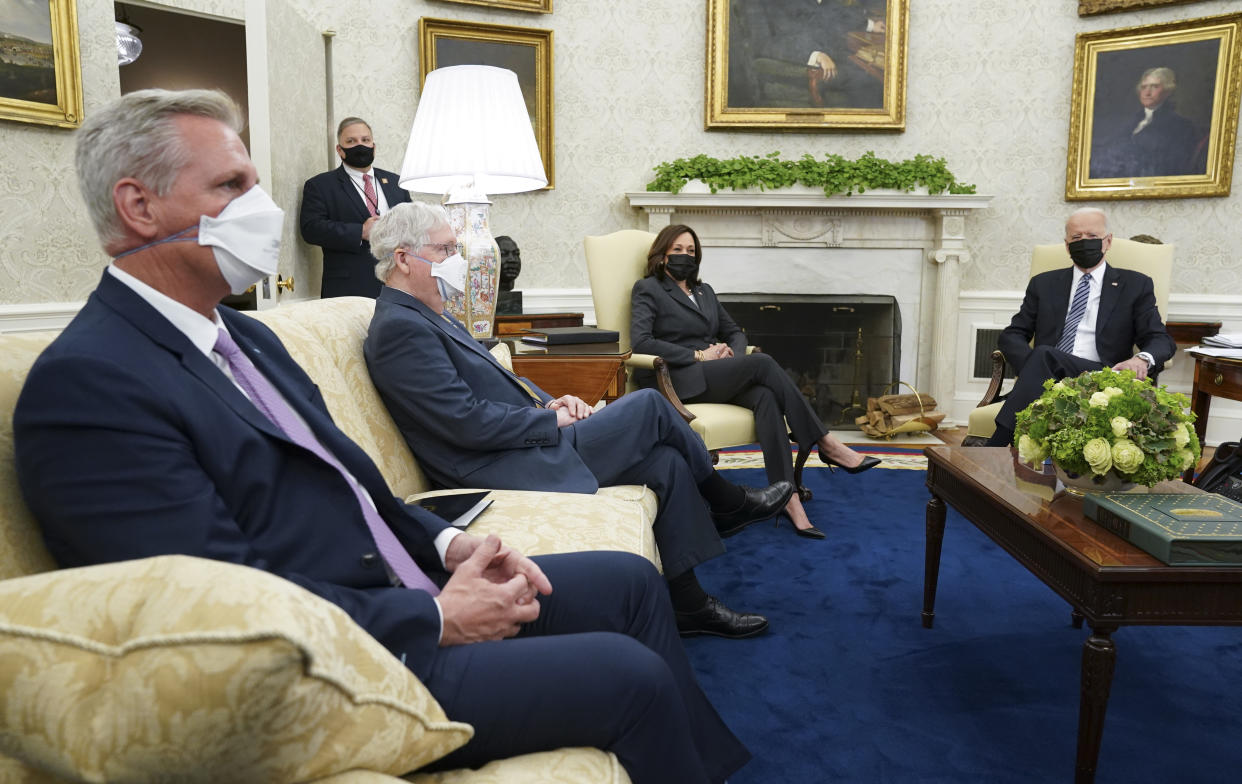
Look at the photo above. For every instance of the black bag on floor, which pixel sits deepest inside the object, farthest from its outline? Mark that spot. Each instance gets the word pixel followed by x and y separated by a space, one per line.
pixel 1223 473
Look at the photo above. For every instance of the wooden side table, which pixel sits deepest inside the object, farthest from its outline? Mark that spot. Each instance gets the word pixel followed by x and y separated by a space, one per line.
pixel 1214 377
pixel 591 371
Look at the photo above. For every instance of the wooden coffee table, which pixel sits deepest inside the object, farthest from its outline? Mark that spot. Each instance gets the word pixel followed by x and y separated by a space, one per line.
pixel 1105 579
pixel 591 371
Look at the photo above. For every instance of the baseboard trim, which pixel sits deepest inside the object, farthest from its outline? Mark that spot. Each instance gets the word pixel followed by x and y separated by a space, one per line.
pixel 37 317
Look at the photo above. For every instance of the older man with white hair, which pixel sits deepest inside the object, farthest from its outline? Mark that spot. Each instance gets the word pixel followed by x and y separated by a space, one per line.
pixel 1085 317
pixel 160 422
pixel 473 423
pixel 1155 141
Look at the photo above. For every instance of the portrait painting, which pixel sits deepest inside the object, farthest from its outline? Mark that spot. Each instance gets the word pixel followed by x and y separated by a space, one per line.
pixel 806 64
pixel 40 74
pixel 534 6
pixel 1155 111
pixel 1091 7
pixel 525 51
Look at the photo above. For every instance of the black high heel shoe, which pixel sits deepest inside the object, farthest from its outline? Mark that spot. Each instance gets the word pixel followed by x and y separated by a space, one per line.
pixel 867 462
pixel 809 533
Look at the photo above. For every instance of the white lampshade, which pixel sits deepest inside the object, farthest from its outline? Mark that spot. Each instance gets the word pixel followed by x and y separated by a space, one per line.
pixel 472 123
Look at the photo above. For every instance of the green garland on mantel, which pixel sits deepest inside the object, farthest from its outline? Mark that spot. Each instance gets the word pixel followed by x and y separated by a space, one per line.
pixel 834 173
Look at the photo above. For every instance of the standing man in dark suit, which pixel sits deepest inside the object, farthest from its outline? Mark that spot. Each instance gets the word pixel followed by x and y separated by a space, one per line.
pixel 159 422
pixel 1086 317
pixel 340 206
pixel 472 423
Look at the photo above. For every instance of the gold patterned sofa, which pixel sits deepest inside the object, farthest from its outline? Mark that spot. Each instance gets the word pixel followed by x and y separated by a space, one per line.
pixel 183 669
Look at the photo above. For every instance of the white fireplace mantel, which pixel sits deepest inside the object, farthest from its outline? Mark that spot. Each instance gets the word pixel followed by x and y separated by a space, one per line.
pixel 907 244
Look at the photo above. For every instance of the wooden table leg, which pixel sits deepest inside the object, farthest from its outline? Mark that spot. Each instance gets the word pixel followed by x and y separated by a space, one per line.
pixel 1099 656
pixel 1076 617
pixel 931 558
pixel 1200 404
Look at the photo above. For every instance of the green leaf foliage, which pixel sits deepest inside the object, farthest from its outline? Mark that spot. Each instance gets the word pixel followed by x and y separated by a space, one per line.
pixel 833 173
pixel 1118 408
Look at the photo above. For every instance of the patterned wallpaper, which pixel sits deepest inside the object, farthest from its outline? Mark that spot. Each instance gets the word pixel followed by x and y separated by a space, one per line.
pixel 989 89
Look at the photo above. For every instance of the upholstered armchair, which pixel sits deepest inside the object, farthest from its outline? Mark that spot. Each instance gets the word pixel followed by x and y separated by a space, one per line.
pixel 1153 260
pixel 615 262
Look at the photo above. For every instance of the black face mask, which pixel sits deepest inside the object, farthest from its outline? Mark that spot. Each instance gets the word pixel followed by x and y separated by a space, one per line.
pixel 681 266
pixel 359 156
pixel 1086 253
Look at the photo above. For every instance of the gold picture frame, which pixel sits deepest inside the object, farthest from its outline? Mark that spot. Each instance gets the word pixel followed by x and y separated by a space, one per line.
pixel 527 51
pixel 760 74
pixel 41 74
pixel 1092 7
pixel 534 6
pixel 1172 139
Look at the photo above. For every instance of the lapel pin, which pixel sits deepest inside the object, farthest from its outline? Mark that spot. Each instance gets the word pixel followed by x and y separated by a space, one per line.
pixel 1114 283
pixel 383 180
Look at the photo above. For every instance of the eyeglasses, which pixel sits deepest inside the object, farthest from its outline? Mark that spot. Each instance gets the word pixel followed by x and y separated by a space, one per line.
pixel 446 249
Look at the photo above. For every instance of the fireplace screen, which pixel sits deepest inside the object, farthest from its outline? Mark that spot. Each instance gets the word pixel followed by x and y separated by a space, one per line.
pixel 839 349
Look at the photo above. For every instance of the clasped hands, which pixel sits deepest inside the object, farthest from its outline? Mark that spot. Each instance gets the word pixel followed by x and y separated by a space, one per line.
pixel 569 409
pixel 492 591
pixel 1137 364
pixel 715 351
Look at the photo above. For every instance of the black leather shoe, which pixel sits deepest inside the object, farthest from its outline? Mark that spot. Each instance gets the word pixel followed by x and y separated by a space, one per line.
pixel 717 620
pixel 867 462
pixel 808 533
pixel 760 504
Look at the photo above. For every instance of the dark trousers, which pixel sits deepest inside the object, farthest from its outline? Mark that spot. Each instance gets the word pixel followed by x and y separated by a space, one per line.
pixel 756 382
pixel 1043 363
pixel 602 666
pixel 640 439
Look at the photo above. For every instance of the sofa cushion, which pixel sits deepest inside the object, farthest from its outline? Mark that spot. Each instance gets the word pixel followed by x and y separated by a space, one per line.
pixel 21 542
pixel 185 669
pixel 541 523
pixel 325 337
pixel 563 766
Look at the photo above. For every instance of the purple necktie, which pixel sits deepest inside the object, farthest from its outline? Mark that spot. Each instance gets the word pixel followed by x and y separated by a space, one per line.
pixel 273 405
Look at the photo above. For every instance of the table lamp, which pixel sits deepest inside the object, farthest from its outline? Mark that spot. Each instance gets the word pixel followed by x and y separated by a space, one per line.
pixel 472 136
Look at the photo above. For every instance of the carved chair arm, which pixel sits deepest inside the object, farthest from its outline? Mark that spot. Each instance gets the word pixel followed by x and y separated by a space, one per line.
pixel 998 377
pixel 664 382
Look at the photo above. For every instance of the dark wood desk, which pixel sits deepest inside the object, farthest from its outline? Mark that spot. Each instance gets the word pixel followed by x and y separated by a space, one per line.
pixel 1214 377
pixel 1105 579
pixel 591 371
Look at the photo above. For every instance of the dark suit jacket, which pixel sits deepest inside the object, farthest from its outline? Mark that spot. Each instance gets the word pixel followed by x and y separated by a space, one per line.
pixel 665 322
pixel 332 215
pixel 467 419
pixel 1166 147
pixel 1127 317
pixel 131 443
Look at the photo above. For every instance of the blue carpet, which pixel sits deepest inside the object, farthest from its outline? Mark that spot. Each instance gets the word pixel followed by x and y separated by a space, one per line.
pixel 847 685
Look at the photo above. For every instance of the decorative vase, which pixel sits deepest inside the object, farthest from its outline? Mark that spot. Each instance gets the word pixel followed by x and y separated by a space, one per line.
pixel 477 307
pixel 1079 484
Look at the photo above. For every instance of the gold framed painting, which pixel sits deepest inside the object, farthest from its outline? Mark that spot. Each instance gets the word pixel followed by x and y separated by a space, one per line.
pixel 1092 7
pixel 534 6
pixel 806 65
pixel 40 69
pixel 1155 110
pixel 526 51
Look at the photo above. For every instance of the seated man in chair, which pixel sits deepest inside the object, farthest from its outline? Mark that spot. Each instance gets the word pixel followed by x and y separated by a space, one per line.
pixel 1081 318
pixel 160 422
pixel 473 423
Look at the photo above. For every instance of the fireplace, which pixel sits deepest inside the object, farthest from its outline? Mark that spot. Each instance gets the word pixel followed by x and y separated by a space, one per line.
pixel 839 349
pixel 793 243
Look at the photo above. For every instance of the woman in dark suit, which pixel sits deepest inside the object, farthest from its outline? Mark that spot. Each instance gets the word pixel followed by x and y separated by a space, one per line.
pixel 677 316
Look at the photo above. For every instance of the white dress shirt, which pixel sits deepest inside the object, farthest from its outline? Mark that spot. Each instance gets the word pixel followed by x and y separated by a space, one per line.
pixel 355 176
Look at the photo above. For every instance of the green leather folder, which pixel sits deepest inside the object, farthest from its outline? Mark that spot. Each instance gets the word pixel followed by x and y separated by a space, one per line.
pixel 1181 529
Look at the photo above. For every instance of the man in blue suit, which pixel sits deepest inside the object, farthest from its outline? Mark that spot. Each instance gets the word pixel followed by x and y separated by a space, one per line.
pixel 339 207
pixel 160 422
pixel 473 423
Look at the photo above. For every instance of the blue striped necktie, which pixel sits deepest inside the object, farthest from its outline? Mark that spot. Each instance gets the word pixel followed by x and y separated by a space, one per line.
pixel 1077 309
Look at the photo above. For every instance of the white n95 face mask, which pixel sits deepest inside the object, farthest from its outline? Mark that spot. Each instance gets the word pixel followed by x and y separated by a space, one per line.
pixel 450 276
pixel 244 238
